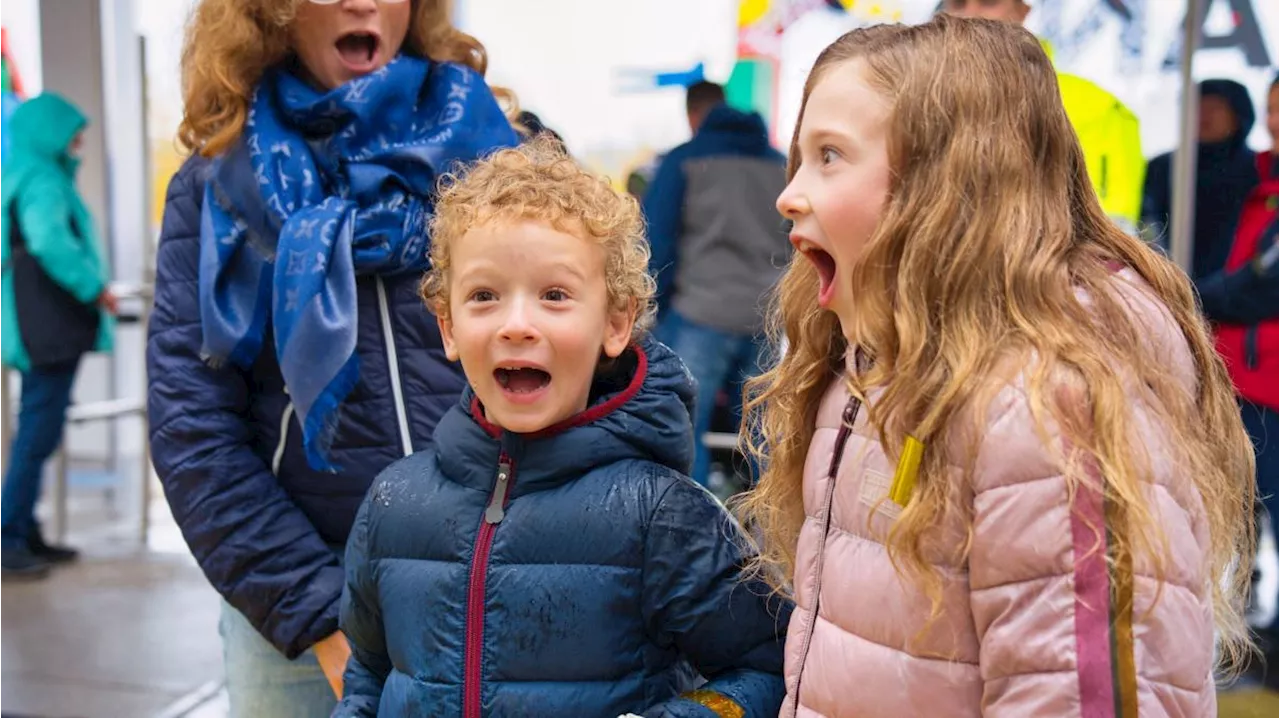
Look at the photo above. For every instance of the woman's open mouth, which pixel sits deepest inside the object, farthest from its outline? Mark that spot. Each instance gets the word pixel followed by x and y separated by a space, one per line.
pixel 521 383
pixel 826 266
pixel 358 50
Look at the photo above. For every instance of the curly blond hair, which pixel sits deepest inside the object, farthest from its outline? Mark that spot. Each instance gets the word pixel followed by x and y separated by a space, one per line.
pixel 229 44
pixel 990 230
pixel 538 181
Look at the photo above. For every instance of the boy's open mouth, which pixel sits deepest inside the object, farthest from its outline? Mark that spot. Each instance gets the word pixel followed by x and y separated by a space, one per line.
pixel 521 380
pixel 826 266
pixel 357 48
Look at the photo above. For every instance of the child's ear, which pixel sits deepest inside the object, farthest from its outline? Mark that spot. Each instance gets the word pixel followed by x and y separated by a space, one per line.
pixel 446 333
pixel 617 333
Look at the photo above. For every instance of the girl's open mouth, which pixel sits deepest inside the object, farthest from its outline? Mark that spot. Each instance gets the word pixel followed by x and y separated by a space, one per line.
pixel 826 266
pixel 358 49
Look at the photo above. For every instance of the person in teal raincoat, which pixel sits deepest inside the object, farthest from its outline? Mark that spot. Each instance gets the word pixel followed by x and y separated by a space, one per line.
pixel 56 307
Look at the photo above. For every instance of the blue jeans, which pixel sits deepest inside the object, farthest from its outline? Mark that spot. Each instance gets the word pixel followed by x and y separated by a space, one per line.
pixel 715 359
pixel 1263 425
pixel 46 394
pixel 262 683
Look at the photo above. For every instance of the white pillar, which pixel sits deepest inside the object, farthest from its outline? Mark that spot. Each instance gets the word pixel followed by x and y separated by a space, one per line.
pixel 91 55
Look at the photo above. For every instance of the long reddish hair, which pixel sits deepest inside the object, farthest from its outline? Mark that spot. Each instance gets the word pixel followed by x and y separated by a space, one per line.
pixel 990 231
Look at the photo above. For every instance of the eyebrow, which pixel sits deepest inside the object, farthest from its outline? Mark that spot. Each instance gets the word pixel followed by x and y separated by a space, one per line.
pixel 569 269
pixel 824 135
pixel 486 267
pixel 832 132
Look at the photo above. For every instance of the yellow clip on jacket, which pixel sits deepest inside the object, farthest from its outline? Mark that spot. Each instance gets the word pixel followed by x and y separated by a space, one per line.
pixel 1109 136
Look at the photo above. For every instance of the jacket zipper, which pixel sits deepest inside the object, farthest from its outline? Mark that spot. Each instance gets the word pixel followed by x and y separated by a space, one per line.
pixel 846 428
pixel 278 457
pixel 393 367
pixel 473 651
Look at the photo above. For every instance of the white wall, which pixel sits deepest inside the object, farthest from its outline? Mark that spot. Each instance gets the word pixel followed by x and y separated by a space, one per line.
pixel 564 58
pixel 22 20
pixel 1144 83
pixel 567 60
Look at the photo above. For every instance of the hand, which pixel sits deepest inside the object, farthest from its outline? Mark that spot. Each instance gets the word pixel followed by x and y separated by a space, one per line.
pixel 1263 262
pixel 332 654
pixel 108 301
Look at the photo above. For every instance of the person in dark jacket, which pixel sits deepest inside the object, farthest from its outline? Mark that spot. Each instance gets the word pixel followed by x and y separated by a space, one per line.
pixel 279 389
pixel 534 128
pixel 1241 301
pixel 1225 175
pixel 548 557
pixel 56 308
pixel 718 247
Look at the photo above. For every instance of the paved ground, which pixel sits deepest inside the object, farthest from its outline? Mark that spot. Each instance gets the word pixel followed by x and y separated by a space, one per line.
pixel 127 632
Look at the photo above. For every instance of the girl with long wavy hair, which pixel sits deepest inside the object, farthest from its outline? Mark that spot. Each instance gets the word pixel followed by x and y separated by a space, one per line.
pixel 289 357
pixel 1005 472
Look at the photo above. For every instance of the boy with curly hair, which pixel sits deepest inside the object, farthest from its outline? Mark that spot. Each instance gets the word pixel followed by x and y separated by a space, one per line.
pixel 550 557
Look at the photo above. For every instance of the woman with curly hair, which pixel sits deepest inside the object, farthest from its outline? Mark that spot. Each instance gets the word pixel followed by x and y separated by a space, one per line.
pixel 289 356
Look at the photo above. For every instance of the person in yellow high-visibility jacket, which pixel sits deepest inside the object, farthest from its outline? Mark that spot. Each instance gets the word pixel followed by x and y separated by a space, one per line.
pixel 1108 130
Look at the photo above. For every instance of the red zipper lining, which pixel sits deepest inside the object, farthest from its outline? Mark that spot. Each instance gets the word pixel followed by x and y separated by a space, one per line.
pixel 473 650
pixel 583 418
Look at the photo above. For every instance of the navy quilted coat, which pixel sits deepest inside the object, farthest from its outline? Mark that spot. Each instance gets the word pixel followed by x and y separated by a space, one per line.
pixel 266 528
pixel 576 573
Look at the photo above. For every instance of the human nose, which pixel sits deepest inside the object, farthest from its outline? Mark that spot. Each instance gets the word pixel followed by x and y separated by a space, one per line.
pixel 792 203
pixel 517 322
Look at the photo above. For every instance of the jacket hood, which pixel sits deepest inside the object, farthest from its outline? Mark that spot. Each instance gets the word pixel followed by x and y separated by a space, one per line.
pixel 44 126
pixel 639 410
pixel 1238 98
pixel 743 131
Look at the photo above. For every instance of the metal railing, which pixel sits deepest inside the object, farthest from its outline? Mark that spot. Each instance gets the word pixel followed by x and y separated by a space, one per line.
pixel 109 410
pixel 720 441
pixel 92 412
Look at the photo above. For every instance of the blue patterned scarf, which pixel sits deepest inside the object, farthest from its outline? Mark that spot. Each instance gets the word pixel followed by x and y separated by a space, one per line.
pixel 332 184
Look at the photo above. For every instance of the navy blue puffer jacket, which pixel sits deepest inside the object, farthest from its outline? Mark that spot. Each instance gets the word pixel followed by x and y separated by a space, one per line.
pixel 576 573
pixel 264 526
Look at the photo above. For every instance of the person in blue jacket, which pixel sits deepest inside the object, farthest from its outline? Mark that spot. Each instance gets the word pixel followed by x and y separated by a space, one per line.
pixel 718 246
pixel 549 556
pixel 289 357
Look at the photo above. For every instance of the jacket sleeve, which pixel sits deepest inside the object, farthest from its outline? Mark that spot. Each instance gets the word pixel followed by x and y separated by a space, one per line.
pixel 44 213
pixel 1155 202
pixel 696 600
pixel 1128 171
pixel 253 543
pixel 663 211
pixel 369 665
pixel 1244 296
pixel 1055 608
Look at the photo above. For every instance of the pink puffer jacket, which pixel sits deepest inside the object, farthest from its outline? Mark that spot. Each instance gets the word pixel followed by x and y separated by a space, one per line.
pixel 1026 628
